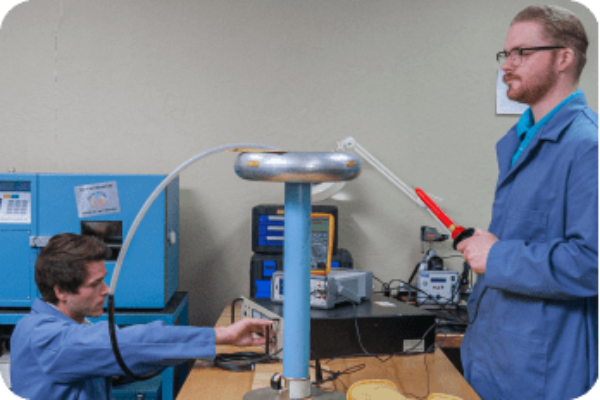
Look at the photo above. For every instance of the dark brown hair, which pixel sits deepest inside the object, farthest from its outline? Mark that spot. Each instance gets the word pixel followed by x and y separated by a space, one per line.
pixel 563 27
pixel 62 262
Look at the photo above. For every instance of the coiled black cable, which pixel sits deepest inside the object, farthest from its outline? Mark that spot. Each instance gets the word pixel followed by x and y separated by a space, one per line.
pixel 131 377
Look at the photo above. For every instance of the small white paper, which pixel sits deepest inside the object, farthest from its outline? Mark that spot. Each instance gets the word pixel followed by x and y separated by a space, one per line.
pixel 385 304
pixel 504 105
pixel 97 199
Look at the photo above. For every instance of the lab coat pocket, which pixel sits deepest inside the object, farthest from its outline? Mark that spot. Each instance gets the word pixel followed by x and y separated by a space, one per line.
pixel 513 367
pixel 525 224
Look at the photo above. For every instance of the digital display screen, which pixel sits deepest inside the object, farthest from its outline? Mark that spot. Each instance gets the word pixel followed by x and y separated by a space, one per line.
pixel 438 280
pixel 320 225
pixel 15 186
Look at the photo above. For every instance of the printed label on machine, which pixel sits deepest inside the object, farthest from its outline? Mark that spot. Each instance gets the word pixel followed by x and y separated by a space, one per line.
pixel 97 199
pixel 15 207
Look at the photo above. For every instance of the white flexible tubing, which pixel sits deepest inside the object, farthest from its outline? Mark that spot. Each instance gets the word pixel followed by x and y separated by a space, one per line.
pixel 156 192
pixel 351 144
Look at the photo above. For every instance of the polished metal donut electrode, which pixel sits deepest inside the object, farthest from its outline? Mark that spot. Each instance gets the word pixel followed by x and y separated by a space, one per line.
pixel 298 167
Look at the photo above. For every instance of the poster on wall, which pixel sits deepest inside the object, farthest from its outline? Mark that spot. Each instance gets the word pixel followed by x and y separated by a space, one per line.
pixel 97 199
pixel 504 105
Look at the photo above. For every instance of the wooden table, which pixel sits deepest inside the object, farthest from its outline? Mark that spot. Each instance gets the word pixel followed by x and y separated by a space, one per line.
pixel 415 375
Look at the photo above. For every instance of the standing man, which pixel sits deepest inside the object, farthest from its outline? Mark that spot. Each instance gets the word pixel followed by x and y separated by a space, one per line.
pixel 534 308
pixel 56 353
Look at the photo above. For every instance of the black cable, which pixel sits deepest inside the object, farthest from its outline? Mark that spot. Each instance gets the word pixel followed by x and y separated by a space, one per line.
pixel 386 287
pixel 412 276
pixel 434 345
pixel 131 377
pixel 443 305
pixel 244 360
pixel 334 375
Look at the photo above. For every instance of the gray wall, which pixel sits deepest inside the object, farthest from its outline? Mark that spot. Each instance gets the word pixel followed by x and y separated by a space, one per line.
pixel 140 86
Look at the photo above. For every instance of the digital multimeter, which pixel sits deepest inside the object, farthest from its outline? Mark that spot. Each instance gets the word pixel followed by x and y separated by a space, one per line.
pixel 321 243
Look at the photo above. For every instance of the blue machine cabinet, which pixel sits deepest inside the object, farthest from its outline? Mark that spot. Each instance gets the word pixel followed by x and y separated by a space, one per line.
pixel 171 379
pixel 34 207
pixel 145 390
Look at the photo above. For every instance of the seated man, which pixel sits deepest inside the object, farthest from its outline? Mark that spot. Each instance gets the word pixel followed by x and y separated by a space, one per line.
pixel 56 353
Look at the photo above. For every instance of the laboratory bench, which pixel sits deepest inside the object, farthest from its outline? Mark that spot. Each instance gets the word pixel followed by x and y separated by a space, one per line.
pixel 415 375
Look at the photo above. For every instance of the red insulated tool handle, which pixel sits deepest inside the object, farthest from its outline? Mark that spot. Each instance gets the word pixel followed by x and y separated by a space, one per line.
pixel 448 223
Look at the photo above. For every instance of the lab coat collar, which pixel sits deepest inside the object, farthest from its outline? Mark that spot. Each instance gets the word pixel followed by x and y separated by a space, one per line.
pixel 552 131
pixel 553 128
pixel 41 307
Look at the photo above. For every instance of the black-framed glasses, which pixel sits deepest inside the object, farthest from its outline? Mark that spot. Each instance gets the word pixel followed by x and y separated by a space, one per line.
pixel 516 55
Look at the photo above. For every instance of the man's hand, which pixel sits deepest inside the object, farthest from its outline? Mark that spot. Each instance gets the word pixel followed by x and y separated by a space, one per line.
pixel 242 332
pixel 476 249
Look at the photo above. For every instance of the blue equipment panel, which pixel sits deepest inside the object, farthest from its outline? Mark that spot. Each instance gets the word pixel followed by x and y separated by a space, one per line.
pixel 268 227
pixel 146 390
pixel 35 207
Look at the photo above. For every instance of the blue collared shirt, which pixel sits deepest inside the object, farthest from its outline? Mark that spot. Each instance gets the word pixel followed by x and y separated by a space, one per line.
pixel 54 357
pixel 527 126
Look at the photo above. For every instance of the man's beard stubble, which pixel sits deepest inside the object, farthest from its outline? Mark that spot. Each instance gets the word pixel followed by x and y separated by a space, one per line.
pixel 534 90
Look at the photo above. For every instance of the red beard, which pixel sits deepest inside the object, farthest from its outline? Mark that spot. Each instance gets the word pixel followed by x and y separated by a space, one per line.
pixel 532 90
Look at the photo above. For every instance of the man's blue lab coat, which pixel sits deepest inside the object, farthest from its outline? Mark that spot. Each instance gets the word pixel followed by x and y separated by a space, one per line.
pixel 535 334
pixel 54 357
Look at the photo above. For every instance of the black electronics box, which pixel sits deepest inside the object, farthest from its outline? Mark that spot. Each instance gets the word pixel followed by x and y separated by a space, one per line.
pixel 267 227
pixel 262 267
pixel 385 325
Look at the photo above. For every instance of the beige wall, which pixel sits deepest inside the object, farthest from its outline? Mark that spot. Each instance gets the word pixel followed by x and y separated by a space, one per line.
pixel 140 86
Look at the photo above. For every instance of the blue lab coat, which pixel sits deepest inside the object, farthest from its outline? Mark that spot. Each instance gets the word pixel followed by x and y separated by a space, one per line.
pixel 54 357
pixel 535 334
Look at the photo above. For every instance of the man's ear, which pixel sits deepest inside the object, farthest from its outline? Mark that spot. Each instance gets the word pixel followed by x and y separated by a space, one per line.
pixel 566 59
pixel 60 294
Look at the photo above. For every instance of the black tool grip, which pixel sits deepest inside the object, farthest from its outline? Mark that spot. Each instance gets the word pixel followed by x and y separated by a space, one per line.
pixel 467 233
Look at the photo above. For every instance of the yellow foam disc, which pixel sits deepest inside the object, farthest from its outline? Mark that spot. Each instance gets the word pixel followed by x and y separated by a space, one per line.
pixel 374 390
pixel 442 396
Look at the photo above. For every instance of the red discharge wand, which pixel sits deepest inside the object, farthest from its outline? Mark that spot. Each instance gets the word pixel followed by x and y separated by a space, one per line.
pixel 458 232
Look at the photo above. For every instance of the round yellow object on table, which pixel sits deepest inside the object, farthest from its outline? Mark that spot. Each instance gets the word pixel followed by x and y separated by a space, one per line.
pixel 441 396
pixel 374 390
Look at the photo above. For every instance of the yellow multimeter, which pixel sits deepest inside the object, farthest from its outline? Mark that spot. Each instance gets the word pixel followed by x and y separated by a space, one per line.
pixel 321 243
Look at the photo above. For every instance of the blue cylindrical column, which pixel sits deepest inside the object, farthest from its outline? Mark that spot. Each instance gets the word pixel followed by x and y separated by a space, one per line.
pixel 296 265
